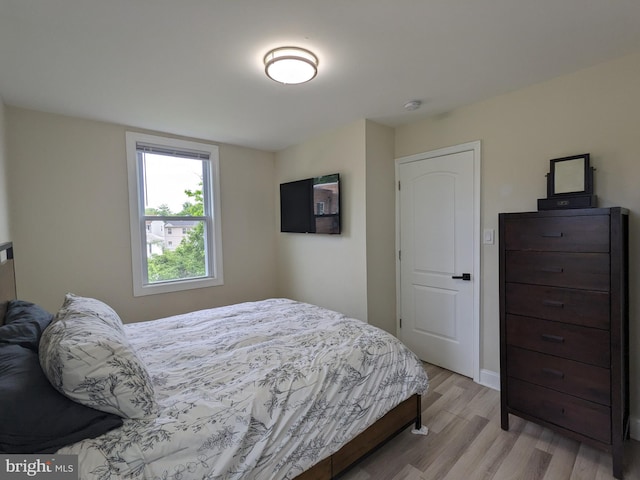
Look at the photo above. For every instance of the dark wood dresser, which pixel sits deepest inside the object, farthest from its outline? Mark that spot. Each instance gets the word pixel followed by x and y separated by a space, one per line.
pixel 564 349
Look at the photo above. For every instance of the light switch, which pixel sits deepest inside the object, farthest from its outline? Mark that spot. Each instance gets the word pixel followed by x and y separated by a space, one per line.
pixel 487 236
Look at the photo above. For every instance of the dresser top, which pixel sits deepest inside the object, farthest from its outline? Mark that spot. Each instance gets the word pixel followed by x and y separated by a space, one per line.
pixel 571 212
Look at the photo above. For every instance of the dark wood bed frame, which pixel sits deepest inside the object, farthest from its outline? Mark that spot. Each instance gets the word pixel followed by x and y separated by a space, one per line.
pixel 394 422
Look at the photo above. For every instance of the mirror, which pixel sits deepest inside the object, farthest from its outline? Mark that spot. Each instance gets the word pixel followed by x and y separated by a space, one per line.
pixel 570 175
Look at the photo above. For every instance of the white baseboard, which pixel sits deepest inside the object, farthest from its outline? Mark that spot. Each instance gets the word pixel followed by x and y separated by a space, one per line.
pixel 634 426
pixel 492 380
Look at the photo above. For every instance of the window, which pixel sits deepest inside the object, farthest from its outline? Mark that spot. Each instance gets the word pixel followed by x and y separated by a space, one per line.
pixel 173 182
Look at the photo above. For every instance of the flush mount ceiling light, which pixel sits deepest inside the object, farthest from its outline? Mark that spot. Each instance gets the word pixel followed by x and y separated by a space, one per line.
pixel 290 65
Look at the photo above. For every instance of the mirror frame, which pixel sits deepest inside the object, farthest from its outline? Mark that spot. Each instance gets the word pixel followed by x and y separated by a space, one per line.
pixel 557 177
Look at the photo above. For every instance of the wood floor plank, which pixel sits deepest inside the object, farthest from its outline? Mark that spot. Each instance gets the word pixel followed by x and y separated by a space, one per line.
pixel 632 451
pixel 437 419
pixel 383 465
pixel 460 405
pixel 465 442
pixel 493 458
pixel 455 449
pixel 605 466
pixel 586 465
pixel 486 404
pixel 536 466
pixel 546 440
pixel 475 461
pixel 516 463
pixel 564 452
pixel 434 446
pixel 409 473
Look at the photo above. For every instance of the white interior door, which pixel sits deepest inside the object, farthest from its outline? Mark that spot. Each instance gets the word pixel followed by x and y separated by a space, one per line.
pixel 438 259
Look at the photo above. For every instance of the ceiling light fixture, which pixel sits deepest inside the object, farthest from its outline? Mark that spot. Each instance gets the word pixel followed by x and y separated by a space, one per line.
pixel 290 65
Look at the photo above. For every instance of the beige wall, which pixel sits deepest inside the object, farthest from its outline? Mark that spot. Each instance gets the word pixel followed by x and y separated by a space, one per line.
pixel 5 233
pixel 381 238
pixel 594 111
pixel 353 272
pixel 70 218
pixel 327 270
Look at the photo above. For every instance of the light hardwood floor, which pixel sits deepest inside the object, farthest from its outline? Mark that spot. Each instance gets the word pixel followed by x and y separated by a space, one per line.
pixel 465 442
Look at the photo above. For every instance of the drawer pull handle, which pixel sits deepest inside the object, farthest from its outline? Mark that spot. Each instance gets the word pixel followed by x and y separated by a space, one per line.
pixel 551 269
pixel 553 373
pixel 552 234
pixel 552 338
pixel 553 303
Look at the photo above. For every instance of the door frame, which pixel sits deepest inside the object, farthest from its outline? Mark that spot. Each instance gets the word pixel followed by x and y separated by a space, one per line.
pixel 464 147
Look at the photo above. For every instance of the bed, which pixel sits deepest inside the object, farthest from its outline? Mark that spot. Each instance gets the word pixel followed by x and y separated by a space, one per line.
pixel 274 389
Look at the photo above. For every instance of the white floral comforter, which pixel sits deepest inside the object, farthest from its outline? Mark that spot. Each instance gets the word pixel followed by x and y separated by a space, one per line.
pixel 260 390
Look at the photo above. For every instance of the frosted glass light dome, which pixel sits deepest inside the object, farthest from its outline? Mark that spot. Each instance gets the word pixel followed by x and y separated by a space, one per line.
pixel 290 65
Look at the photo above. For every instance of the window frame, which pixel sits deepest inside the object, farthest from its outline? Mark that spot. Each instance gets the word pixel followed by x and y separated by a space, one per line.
pixel 212 217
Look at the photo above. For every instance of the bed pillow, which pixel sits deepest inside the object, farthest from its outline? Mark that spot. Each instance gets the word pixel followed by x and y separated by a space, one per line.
pixel 34 417
pixel 76 305
pixel 86 356
pixel 24 324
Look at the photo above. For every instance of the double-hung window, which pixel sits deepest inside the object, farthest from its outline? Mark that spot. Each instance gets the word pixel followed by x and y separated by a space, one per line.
pixel 174 203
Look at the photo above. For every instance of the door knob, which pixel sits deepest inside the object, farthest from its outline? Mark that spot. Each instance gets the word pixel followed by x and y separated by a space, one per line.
pixel 464 276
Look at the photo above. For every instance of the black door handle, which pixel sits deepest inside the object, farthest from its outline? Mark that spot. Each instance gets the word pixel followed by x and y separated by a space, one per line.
pixel 464 276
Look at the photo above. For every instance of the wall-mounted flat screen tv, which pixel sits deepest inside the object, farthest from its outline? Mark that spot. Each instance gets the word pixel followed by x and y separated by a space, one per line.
pixel 311 205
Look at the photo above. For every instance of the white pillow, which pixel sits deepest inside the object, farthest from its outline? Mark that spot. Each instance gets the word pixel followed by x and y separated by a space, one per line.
pixel 86 356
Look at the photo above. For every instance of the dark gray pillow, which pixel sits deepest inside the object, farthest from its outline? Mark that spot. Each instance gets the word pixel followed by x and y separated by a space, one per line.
pixel 35 417
pixel 24 324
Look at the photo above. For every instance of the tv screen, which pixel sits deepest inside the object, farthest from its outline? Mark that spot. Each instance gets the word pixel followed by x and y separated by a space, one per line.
pixel 311 205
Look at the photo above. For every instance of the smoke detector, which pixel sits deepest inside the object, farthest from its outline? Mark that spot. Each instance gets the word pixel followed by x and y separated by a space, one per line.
pixel 412 105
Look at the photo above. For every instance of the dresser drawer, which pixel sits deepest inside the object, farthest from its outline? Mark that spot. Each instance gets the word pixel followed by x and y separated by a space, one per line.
pixel 587 345
pixel 589 271
pixel 580 307
pixel 575 378
pixel 572 413
pixel 558 234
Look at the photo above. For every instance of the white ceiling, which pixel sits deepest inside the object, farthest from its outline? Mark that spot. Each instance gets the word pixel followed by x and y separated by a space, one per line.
pixel 194 67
